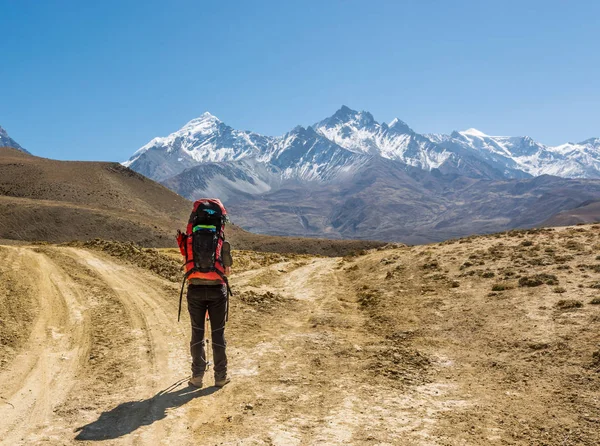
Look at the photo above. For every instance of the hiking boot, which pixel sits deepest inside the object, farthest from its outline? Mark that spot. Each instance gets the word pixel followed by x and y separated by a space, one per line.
pixel 196 381
pixel 221 382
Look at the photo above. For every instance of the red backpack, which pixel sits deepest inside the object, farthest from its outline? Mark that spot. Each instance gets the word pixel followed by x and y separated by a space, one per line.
pixel 202 244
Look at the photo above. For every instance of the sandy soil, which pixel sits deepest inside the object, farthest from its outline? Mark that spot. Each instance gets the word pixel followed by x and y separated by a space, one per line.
pixel 405 346
pixel 106 360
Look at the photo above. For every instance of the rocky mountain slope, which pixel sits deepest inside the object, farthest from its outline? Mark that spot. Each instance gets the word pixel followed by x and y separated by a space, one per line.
pixel 7 141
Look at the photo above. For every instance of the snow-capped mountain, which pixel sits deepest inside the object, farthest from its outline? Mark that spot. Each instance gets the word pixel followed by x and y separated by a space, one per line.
pixel 202 140
pixel 521 154
pixel 7 141
pixel 581 160
pixel 306 155
pixel 360 133
pixel 351 176
pixel 335 144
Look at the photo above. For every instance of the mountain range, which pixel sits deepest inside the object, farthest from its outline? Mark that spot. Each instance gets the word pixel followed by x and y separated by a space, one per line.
pixel 350 176
pixel 470 152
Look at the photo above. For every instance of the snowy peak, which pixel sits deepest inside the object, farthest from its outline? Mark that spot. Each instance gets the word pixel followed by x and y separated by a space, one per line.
pixel 473 132
pixel 202 140
pixel 522 154
pixel 345 116
pixel 306 155
pixel 360 133
pixel 595 142
pixel 400 126
pixel 204 123
pixel 7 141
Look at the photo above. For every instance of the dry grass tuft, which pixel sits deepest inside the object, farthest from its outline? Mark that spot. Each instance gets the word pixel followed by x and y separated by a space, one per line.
pixel 502 286
pixel 568 304
pixel 538 279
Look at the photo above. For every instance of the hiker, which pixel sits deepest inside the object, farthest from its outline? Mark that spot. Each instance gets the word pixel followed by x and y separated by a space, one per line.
pixel 208 262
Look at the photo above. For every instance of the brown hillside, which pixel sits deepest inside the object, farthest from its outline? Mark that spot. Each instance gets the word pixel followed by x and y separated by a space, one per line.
pixel 59 201
pixel 588 212
pixel 56 201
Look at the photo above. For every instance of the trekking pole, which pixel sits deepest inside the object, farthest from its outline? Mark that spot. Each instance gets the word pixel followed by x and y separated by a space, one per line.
pixel 206 349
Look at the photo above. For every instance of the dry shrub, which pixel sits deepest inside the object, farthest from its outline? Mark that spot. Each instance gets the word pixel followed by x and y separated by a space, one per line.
pixel 559 289
pixel 264 299
pixel 595 301
pixel 367 298
pixel 568 304
pixel 573 245
pixel 538 279
pixel 502 286
pixel 596 360
pixel 432 264
pixel 563 259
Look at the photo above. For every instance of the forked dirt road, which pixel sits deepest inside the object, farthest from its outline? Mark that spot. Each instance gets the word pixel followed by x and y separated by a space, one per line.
pixel 479 341
pixel 105 360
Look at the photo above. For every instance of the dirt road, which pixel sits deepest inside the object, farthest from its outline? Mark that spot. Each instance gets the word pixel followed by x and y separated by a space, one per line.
pixel 487 340
pixel 105 360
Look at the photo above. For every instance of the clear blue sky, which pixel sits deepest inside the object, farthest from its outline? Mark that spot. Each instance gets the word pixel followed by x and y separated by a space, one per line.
pixel 97 80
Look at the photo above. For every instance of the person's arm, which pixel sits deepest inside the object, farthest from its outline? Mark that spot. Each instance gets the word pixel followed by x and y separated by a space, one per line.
pixel 227 258
pixel 181 242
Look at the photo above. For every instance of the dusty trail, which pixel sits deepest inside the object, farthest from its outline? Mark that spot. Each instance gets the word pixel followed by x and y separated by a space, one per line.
pixel 44 371
pixel 106 360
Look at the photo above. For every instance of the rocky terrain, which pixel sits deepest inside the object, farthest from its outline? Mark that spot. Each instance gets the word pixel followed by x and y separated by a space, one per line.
pixel 482 340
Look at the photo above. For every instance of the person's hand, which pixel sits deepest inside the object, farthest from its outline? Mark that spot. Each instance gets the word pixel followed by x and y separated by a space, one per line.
pixel 227 270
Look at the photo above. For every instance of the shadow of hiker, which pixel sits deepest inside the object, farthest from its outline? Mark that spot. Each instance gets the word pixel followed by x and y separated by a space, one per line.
pixel 129 416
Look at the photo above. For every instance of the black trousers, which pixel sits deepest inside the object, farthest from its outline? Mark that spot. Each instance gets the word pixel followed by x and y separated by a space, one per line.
pixel 200 299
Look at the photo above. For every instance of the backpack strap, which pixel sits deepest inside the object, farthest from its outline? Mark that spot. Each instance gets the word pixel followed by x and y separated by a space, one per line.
pixel 185 276
pixel 229 292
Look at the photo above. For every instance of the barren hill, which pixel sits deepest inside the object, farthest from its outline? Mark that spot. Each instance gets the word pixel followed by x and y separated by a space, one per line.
pixel 587 212
pixel 58 201
pixel 43 199
pixel 479 341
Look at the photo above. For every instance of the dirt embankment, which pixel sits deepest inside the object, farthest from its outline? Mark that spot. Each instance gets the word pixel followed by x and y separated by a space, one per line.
pixel 484 340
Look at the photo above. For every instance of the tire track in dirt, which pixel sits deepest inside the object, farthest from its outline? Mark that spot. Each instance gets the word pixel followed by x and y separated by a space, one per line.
pixel 167 361
pixel 92 348
pixel 298 367
pixel 42 374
